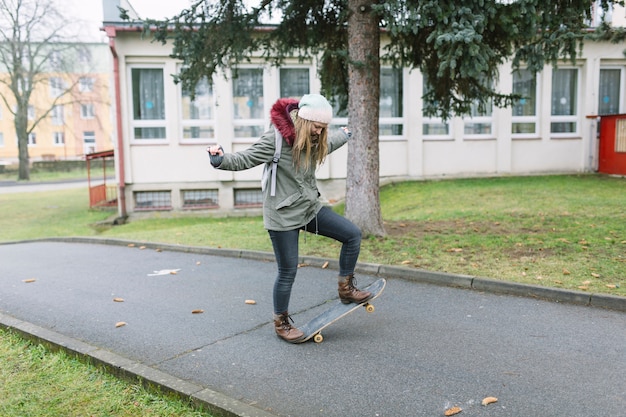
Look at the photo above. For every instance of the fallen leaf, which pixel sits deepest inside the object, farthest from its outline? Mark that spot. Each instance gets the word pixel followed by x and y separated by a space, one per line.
pixel 566 272
pixel 118 300
pixel 455 250
pixel 251 302
pixel 325 265
pixel 29 280
pixel 142 247
pixel 558 282
pixel 586 282
pixel 405 262
pixel 489 400
pixel 159 250
pixel 198 311
pixel 131 245
pixel 593 274
pixel 611 286
pixel 173 272
pixel 452 411
pixel 120 324
pixel 583 287
pixel 198 263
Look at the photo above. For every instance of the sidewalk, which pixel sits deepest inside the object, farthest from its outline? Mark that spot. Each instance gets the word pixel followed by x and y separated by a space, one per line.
pixel 426 348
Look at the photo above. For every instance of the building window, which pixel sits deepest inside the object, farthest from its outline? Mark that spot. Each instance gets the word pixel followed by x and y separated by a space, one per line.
pixel 32 138
pixel 87 111
pixel 248 103
pixel 294 82
pixel 390 104
pixel 478 124
pixel 245 198
pixel 57 87
pixel 148 103
pixel 609 97
pixel 152 200
pixel 525 109
pixel 56 114
pixel 433 127
pixel 31 112
pixel 198 114
pixel 89 142
pixel 1 139
pixel 55 60
pixel 58 138
pixel 564 112
pixel 85 84
pixel 200 199
pixel 84 56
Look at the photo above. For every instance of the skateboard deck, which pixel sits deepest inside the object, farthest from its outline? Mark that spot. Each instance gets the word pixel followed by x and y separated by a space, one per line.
pixel 313 329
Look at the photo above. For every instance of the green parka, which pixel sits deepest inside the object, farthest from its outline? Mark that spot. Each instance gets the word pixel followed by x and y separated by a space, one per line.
pixel 296 202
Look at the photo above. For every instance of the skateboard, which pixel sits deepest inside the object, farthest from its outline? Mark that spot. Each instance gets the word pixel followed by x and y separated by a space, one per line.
pixel 313 329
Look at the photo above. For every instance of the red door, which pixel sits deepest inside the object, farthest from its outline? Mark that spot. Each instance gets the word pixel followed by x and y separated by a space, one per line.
pixel 612 154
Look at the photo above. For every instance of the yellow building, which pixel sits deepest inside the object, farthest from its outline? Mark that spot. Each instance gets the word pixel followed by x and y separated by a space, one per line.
pixel 71 105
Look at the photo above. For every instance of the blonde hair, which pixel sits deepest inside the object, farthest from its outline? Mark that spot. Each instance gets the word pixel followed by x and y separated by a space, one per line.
pixel 313 152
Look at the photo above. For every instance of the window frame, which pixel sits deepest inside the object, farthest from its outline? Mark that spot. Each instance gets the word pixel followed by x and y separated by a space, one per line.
pixel 394 120
pixel 258 123
pixel 199 122
pixel 527 119
pixel 574 118
pixel 146 123
pixel 622 80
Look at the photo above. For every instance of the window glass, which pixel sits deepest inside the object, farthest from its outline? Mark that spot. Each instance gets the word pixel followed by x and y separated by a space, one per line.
pixel 148 102
pixel 249 110
pixel 294 82
pixel 525 109
pixel 248 94
pixel 198 199
pixel 248 198
pixel 57 115
pixel 152 200
pixel 59 138
pixel 564 100
pixel 609 97
pixel 390 100
pixel 85 84
pixel 432 126
pixel 198 113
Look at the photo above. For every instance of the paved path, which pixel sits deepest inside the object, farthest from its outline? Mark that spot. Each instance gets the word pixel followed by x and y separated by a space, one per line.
pixel 426 348
pixel 8 187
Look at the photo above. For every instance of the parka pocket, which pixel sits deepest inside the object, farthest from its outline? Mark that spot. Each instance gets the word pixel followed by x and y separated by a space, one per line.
pixel 289 200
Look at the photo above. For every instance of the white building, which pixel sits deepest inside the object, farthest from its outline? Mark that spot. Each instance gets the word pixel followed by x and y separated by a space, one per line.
pixel 162 135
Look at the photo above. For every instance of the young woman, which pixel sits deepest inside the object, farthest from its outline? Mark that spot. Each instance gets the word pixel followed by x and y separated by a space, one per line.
pixel 291 198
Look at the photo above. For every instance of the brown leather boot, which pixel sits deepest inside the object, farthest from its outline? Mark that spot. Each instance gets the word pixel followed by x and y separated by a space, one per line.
pixel 284 329
pixel 348 293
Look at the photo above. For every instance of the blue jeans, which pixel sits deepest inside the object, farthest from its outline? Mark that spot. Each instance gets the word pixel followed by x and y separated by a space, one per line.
pixel 326 223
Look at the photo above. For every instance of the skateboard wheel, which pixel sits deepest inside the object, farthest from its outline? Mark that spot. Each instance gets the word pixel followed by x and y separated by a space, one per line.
pixel 369 308
pixel 318 338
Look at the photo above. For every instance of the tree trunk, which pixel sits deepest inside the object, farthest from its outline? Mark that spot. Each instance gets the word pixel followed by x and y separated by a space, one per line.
pixel 362 182
pixel 21 131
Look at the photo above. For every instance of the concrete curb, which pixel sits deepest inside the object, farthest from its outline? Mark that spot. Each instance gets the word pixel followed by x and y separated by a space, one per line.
pixel 223 406
pixel 219 405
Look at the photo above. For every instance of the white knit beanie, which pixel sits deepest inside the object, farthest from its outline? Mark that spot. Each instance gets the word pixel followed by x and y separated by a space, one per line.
pixel 316 108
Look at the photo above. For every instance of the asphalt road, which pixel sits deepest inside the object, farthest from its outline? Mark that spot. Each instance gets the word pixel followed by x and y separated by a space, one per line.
pixel 426 348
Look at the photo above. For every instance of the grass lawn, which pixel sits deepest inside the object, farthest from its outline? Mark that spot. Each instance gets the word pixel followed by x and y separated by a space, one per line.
pixel 36 382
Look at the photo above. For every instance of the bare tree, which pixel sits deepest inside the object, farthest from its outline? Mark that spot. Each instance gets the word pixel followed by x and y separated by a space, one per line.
pixel 37 50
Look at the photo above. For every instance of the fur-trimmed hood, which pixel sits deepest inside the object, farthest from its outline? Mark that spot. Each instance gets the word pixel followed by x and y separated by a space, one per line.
pixel 280 116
